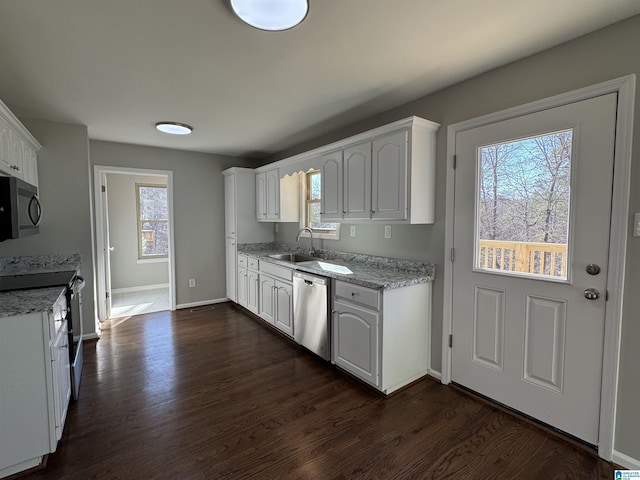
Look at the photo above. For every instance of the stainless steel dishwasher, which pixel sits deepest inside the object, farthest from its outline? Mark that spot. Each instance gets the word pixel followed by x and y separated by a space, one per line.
pixel 311 313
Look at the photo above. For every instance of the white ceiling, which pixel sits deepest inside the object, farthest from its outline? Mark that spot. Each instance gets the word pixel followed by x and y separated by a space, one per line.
pixel 119 66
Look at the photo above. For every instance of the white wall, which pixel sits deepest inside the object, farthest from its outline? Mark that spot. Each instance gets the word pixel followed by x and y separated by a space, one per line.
pixel 603 55
pixel 126 270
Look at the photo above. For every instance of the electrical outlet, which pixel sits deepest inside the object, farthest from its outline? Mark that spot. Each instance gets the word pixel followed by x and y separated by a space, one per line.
pixel 192 282
pixel 387 231
pixel 352 231
pixel 636 231
pixel 276 227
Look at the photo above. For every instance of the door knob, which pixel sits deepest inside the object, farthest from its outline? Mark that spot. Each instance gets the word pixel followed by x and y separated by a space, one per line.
pixel 591 294
pixel 593 269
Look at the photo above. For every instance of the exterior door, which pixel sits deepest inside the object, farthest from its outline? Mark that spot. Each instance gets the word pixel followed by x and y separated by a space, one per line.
pixel 531 237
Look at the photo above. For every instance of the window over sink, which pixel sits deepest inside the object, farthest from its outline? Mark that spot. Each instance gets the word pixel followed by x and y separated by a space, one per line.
pixel 310 215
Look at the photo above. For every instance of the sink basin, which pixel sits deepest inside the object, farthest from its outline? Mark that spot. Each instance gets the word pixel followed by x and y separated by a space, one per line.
pixel 293 257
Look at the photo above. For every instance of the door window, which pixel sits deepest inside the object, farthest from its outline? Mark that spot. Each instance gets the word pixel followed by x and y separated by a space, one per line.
pixel 522 206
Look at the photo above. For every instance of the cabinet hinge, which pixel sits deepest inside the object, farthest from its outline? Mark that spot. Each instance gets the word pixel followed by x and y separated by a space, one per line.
pixel 455 161
pixel 450 341
pixel 107 294
pixel 104 189
pixel 452 254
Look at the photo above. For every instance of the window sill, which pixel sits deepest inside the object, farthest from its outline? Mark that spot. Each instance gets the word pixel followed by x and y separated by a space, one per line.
pixel 152 260
pixel 322 236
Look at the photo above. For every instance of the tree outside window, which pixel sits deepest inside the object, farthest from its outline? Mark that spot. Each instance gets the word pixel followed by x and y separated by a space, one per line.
pixel 312 220
pixel 153 221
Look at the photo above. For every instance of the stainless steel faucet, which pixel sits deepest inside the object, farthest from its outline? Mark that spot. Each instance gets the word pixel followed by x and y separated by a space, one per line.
pixel 307 229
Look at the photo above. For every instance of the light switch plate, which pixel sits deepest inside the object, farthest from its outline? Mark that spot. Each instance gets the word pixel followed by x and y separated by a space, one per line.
pixel 636 230
pixel 387 231
pixel 352 231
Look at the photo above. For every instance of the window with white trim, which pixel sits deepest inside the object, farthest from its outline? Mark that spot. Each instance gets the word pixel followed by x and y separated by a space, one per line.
pixel 153 221
pixel 311 212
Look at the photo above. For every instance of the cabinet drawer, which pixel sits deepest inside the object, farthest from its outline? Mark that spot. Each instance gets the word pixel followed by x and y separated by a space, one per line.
pixel 243 261
pixel 357 294
pixel 283 273
pixel 254 263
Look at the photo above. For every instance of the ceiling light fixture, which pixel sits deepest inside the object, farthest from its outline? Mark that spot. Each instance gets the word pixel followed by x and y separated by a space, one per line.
pixel 272 15
pixel 174 128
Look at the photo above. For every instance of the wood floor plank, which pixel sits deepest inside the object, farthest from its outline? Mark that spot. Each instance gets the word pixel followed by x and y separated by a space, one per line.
pixel 213 394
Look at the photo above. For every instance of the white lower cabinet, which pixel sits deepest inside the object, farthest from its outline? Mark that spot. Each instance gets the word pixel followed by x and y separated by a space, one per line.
pixel 382 336
pixel 276 303
pixel 35 388
pixel 242 293
pixel 355 341
pixel 253 291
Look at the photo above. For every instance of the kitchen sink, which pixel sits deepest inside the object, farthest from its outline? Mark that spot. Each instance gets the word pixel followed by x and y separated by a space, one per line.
pixel 293 257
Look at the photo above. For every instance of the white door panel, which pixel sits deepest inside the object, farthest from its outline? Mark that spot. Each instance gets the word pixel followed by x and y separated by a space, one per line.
pixel 523 332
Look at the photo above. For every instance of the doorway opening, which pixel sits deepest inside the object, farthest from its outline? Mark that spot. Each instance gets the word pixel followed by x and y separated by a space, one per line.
pixel 136 269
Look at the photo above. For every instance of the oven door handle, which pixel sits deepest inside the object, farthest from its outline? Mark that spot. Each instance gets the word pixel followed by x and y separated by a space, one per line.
pixel 78 284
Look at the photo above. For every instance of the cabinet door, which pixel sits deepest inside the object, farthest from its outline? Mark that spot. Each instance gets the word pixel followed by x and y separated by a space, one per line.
pixel 230 205
pixel 5 148
pixel 267 312
pixel 357 181
pixel 61 378
pixel 389 177
pixel 355 341
pixel 16 154
pixel 243 286
pixel 231 269
pixel 253 280
pixel 284 307
pixel 331 186
pixel 261 196
pixel 273 195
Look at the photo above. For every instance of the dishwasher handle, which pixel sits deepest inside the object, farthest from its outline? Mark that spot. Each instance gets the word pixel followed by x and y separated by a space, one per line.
pixel 310 279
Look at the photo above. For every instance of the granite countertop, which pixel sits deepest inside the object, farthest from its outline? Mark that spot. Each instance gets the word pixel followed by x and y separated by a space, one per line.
pixel 39 264
pixel 23 302
pixel 368 271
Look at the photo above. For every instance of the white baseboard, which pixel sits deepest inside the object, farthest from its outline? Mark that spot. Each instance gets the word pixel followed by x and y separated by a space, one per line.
pixel 200 304
pixel 435 374
pixel 625 461
pixel 141 288
pixel 90 336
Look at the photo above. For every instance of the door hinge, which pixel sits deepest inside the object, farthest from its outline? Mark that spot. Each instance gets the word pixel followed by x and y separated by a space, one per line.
pixel 104 189
pixel 455 161
pixel 452 254
pixel 107 294
pixel 450 340
pixel 606 295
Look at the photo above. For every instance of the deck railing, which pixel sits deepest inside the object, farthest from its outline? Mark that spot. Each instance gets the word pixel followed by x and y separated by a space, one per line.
pixel 539 258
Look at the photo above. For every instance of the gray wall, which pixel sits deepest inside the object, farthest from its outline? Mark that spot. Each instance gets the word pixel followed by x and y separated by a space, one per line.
pixel 606 54
pixel 198 191
pixel 126 272
pixel 63 176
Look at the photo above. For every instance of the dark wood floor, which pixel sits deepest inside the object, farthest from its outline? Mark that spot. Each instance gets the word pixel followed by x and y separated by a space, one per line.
pixel 215 395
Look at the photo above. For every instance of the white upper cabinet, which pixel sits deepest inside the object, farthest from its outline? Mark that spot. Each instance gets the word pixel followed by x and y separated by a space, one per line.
pixel 277 199
pixel 385 174
pixel 357 181
pixel 273 195
pixel 331 185
pixel 17 148
pixel 5 148
pixel 389 180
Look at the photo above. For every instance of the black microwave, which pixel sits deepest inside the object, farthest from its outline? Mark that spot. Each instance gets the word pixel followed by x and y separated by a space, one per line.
pixel 20 209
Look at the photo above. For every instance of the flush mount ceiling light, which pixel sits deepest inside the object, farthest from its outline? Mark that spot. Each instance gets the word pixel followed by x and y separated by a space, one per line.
pixel 272 15
pixel 174 128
